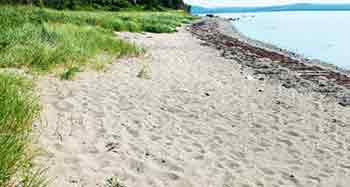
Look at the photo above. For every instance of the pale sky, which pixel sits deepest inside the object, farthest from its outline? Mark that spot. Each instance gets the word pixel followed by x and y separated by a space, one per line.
pixel 232 3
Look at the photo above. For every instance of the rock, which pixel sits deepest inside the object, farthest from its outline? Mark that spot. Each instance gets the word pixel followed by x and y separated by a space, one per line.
pixel 210 15
pixel 344 101
pixel 287 85
pixel 248 77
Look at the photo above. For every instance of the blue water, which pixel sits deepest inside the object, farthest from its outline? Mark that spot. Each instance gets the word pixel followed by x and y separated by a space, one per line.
pixel 320 35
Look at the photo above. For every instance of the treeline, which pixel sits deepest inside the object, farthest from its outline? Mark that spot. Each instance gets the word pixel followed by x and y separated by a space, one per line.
pixel 111 5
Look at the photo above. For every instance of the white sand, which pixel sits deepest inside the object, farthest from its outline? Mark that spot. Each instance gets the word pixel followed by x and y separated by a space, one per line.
pixel 197 122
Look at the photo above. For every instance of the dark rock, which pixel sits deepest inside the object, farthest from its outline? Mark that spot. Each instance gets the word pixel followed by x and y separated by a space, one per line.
pixel 344 101
pixel 287 85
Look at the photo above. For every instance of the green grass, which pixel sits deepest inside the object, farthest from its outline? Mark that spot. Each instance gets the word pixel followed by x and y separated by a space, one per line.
pixel 113 182
pixel 19 108
pixel 42 39
pixel 70 73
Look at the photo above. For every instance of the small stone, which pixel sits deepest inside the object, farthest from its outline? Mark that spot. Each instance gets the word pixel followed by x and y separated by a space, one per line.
pixel 248 77
pixel 287 85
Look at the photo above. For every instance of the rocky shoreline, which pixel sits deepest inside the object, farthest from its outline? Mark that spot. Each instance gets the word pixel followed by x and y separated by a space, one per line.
pixel 267 61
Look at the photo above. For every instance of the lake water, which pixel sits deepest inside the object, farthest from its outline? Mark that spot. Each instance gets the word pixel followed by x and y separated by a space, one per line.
pixel 321 35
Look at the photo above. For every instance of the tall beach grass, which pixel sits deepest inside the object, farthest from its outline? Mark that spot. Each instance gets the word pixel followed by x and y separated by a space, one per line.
pixel 41 39
pixel 19 108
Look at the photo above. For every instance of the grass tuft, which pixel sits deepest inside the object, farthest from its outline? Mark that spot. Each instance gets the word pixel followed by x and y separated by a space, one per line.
pixel 70 73
pixel 19 108
pixel 113 182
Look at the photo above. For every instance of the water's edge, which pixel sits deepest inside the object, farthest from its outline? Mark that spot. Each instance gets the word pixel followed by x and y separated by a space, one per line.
pixel 291 69
pixel 233 31
pixel 302 34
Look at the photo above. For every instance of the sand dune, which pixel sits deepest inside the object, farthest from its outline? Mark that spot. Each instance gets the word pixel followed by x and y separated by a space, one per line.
pixel 199 120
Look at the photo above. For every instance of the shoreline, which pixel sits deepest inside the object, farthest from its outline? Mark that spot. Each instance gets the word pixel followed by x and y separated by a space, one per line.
pixel 290 68
pixel 314 61
pixel 231 30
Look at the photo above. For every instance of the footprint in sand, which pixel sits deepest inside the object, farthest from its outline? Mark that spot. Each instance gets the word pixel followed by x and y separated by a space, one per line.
pixel 64 105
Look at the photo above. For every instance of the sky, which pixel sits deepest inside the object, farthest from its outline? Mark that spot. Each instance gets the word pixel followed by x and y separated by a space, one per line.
pixel 243 3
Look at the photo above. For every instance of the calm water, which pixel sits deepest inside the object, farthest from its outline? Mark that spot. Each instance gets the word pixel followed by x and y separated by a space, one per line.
pixel 321 35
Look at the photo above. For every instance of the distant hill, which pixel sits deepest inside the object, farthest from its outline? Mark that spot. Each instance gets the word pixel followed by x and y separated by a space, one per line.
pixel 291 7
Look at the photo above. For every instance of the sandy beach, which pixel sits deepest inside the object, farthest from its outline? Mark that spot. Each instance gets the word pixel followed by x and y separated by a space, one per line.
pixel 183 115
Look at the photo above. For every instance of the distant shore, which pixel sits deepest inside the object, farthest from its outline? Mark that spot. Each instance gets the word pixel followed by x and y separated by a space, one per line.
pixel 272 61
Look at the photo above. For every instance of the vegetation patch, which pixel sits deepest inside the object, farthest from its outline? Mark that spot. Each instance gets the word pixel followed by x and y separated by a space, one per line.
pixel 41 39
pixel 70 73
pixel 19 108
pixel 113 182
